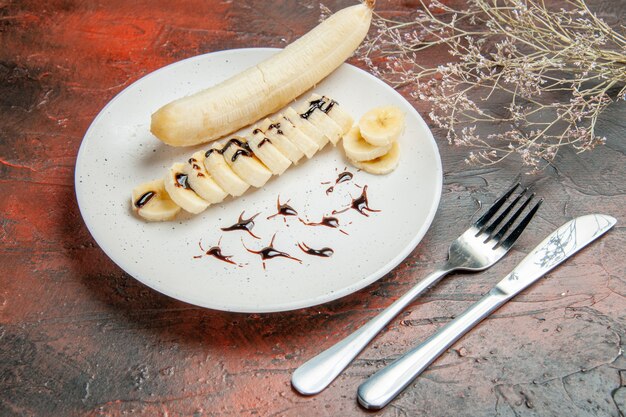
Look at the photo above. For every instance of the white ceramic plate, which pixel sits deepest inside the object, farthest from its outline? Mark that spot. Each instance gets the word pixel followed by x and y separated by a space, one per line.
pixel 118 153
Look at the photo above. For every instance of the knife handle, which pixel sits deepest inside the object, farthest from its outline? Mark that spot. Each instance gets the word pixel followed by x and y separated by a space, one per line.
pixel 386 384
pixel 317 373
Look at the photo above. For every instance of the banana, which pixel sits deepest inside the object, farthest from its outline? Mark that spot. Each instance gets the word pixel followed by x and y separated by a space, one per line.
pixel 305 126
pixel 383 164
pixel 200 180
pixel 275 143
pixel 242 161
pixel 298 137
pixel 335 112
pixel 222 173
pixel 273 132
pixel 357 149
pixel 263 147
pixel 151 201
pixel 312 111
pixel 382 125
pixel 266 87
pixel 180 191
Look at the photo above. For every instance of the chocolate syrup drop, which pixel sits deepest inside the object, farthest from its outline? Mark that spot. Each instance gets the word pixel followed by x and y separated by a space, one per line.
pixel 360 204
pixel 181 181
pixel 216 252
pixel 243 224
pixel 329 106
pixel 326 221
pixel 324 252
pixel 343 177
pixel 283 210
pixel 143 200
pixel 264 141
pixel 270 252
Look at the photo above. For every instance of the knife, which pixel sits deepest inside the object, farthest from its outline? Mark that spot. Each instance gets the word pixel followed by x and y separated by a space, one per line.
pixel 386 384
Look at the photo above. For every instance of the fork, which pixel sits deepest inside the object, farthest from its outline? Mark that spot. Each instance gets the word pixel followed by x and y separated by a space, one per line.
pixel 478 248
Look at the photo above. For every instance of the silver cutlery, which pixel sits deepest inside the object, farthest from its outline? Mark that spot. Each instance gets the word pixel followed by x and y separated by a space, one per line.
pixel 568 239
pixel 478 248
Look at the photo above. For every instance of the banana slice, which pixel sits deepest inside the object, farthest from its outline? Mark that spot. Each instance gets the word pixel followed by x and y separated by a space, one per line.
pixel 280 141
pixel 298 137
pixel 335 112
pixel 180 191
pixel 383 164
pixel 357 149
pixel 151 201
pixel 382 125
pixel 265 150
pixel 243 162
pixel 305 126
pixel 200 180
pixel 311 110
pixel 222 173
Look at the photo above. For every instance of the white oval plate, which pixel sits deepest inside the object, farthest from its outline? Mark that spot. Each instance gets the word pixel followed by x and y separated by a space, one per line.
pixel 118 153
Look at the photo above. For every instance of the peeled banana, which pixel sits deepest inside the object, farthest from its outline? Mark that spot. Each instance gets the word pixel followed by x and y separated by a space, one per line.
pixel 230 168
pixel 266 87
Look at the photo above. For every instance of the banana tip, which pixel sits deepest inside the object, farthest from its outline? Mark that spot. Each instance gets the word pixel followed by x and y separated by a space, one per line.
pixel 370 3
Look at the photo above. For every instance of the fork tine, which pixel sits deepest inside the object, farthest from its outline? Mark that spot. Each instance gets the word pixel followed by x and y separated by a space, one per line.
pixel 490 229
pixel 514 217
pixel 494 208
pixel 510 240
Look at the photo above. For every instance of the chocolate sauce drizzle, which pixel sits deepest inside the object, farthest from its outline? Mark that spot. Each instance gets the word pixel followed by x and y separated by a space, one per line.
pixel 318 104
pixel 275 126
pixel 235 141
pixel 324 252
pixel 216 252
pixel 264 141
pixel 360 204
pixel 144 199
pixel 243 224
pixel 313 105
pixel 269 252
pixel 343 177
pixel 283 210
pixel 241 151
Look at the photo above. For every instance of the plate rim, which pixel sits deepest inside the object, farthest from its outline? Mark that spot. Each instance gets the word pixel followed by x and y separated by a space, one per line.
pixel 285 306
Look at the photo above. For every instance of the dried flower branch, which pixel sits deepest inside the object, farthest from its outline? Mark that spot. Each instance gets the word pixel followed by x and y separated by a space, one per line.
pixel 552 71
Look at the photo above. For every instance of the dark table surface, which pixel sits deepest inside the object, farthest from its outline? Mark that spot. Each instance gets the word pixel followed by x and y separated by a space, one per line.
pixel 79 337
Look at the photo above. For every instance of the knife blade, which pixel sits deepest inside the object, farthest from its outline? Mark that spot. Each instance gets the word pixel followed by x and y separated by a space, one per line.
pixel 386 384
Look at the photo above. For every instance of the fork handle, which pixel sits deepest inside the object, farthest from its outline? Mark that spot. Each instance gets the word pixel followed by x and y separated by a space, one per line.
pixel 317 373
pixel 386 384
